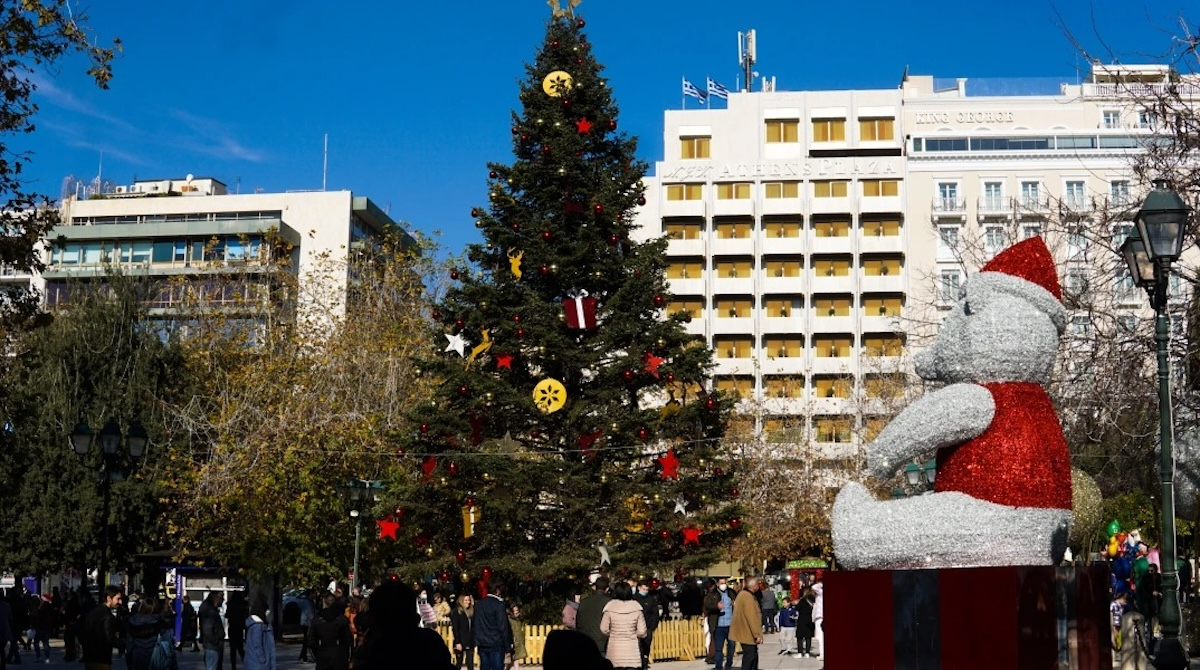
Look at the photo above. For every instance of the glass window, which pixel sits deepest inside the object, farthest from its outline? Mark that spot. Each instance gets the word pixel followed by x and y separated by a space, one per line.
pixel 875 188
pixel 734 230
pixel 783 267
pixel 685 191
pixel 783 130
pixel 831 228
pixel 778 228
pixel 948 285
pixel 733 308
pixel 833 428
pixel 829 130
pixel 831 305
pixel 692 268
pixel 872 426
pixel 993 198
pixel 683 230
pixel 741 387
pixel 947 238
pixel 1118 192
pixel 886 386
pixel 90 253
pixel 883 345
pixel 790 346
pixel 733 346
pixel 882 305
pixel 781 189
pixel 882 266
pixel 832 387
pixel 1032 230
pixel 1031 194
pixel 733 268
pixel 827 266
pixel 1112 118
pixel 777 307
pixel 881 227
pixel 164 251
pixel 733 191
pixel 994 238
pixel 69 254
pixel 830 189
pixel 1076 197
pixel 783 387
pixel 694 147
pixel 695 306
pixel 832 346
pixel 873 129
pixel 945 144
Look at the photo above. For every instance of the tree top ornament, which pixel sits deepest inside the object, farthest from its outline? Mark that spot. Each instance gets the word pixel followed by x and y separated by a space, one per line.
pixel 557 11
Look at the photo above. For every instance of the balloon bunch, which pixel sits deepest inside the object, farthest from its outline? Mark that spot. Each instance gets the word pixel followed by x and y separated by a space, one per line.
pixel 1130 557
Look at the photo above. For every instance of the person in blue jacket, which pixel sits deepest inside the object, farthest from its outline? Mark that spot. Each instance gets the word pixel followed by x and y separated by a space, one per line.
pixel 260 640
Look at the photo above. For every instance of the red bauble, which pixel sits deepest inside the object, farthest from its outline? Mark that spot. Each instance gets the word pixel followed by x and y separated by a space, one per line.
pixel 659 301
pixel 524 137
pixel 535 433
pixel 718 471
pixel 453 468
pixel 641 200
pixel 546 235
pixel 580 23
pixel 520 332
pixel 664 534
pixel 643 434
pixel 566 102
pixel 614 240
pixel 735 523
pixel 458 323
pixel 598 208
pixel 445 576
pixel 454 274
pixel 460 556
pixel 627 375
pixel 612 125
pixel 463 390
pixel 424 428
pixel 648 524
pixel 656 584
pixel 516 318
pixel 437 316
pixel 470 501
pixel 545 148
pixel 492 174
pixel 710 404
pixel 670 377
pixel 475 212
pixel 554 44
pixel 734 492
pixel 579 61
pixel 544 270
pixel 486 573
pixel 516 227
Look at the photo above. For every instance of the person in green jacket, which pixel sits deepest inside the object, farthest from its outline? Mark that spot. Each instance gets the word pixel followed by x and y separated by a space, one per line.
pixel 518 633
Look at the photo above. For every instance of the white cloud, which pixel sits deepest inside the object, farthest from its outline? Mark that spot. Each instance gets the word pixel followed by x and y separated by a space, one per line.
pixel 219 140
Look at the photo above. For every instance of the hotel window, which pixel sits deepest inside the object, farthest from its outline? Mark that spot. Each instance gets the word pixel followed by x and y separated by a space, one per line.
pixel 778 228
pixel 1146 119
pixel 1112 118
pixel 992 198
pixel 872 426
pixel 781 189
pixel 1032 230
pixel 783 347
pixel 831 305
pixel 882 266
pixel 948 283
pixel 877 188
pixel 685 191
pixel 881 227
pixel 694 306
pixel 947 200
pixel 838 346
pixel 683 230
pixel 882 305
pixel 831 228
pixel 994 239
pixel 734 230
pixel 1031 196
pixel 1118 192
pixel 947 238
pixel 876 130
pixel 1076 284
pixel 781 308
pixel 733 308
pixel 830 189
pixel 783 387
pixel 685 269
pixel 734 269
pixel 831 266
pixel 741 387
pixel 832 387
pixel 883 345
pixel 694 147
pixel 728 191
pixel 829 130
pixel 728 346
pixel 833 428
pixel 1076 197
pixel 885 386
pixel 783 267
pixel 783 130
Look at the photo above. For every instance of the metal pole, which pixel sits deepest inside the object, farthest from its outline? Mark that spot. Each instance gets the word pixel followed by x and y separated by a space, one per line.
pixel 357 534
pixel 1170 654
pixel 106 483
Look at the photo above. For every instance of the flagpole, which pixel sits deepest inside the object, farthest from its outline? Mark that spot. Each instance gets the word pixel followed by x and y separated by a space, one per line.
pixel 682 96
pixel 707 98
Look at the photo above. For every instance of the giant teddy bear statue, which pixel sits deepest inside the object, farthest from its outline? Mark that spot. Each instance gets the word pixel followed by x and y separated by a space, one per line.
pixel 1003 486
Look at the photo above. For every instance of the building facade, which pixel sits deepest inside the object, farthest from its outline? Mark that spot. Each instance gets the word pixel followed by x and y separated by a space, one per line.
pixel 815 236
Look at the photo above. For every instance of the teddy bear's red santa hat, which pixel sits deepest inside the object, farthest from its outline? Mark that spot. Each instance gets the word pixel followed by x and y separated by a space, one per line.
pixel 1026 269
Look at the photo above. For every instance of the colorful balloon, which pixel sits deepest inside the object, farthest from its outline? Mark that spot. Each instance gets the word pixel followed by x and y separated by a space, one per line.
pixel 1113 549
pixel 1140 567
pixel 1114 527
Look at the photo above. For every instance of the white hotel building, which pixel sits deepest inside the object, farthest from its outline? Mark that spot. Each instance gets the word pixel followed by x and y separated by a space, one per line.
pixel 812 231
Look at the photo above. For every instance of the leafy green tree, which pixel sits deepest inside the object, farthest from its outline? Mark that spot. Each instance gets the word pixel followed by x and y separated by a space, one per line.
pixel 544 441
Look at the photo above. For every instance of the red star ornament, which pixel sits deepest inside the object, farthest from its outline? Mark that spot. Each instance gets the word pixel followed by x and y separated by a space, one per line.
pixel 504 361
pixel 670 465
pixel 387 528
pixel 691 536
pixel 583 126
pixel 427 467
pixel 653 363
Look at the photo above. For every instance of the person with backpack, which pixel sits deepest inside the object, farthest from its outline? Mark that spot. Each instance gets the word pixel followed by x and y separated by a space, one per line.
pixel 142 630
pixel 260 639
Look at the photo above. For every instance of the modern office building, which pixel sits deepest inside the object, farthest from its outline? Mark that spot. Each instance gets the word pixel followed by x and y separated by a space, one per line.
pixel 193 227
pixel 815 235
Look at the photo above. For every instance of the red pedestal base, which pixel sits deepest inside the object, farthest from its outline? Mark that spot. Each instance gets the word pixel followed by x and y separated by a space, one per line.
pixel 1006 618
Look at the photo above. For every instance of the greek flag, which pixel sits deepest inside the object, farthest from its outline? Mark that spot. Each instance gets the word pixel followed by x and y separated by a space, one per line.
pixel 716 90
pixel 690 90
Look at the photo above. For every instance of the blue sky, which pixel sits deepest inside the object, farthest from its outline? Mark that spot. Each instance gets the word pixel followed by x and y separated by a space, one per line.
pixel 415 96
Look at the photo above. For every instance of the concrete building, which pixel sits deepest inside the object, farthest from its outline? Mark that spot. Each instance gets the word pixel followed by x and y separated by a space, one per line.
pixel 193 227
pixel 815 234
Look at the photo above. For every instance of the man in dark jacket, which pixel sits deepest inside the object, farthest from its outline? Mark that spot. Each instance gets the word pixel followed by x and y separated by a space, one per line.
pixel 329 636
pixel 711 608
pixel 212 630
pixel 394 632
pixel 101 631
pixel 493 633
pixel 650 612
pixel 591 611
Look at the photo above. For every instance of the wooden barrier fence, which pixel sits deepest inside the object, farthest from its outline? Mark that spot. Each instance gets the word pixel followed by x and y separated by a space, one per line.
pixel 674 639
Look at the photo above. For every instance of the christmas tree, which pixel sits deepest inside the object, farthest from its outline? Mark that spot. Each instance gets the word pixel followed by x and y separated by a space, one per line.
pixel 573 429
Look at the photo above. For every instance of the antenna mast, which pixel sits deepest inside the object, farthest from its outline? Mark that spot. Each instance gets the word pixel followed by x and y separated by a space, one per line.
pixel 747 56
pixel 325 162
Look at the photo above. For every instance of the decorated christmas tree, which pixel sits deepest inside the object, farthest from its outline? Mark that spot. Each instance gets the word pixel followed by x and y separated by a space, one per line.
pixel 573 428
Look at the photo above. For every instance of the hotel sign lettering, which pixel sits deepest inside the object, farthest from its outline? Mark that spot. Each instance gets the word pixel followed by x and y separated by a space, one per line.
pixel 813 168
pixel 941 118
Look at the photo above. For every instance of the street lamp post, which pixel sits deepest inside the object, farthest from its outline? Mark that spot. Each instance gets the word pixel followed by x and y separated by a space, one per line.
pixel 1149 252
pixel 920 479
pixel 110 442
pixel 359 491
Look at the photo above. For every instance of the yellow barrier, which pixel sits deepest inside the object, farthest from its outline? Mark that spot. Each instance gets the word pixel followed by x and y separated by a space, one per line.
pixel 674 639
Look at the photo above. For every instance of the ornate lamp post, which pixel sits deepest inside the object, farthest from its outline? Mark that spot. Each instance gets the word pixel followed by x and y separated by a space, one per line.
pixel 358 492
pixel 1148 253
pixel 136 440
pixel 920 479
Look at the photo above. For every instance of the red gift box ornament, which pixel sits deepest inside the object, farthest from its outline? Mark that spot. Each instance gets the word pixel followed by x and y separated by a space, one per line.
pixel 580 311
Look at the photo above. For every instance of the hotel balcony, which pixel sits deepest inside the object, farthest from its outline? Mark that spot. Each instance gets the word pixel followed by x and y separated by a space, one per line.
pixel 784 325
pixel 782 366
pixel 883 283
pixel 1033 205
pixel 832 205
pixel 731 326
pixel 732 246
pixel 685 248
pixel 775 406
pixel 697 327
pixel 733 366
pixel 949 207
pixel 833 366
pixel 831 405
pixel 682 207
pixel 769 244
pixel 832 324
pixel 687 286
pixel 881 324
pixel 881 205
pixel 836 284
pixel 732 285
pixel 874 244
pixel 772 284
pixel 783 206
pixel 995 206
pixel 731 207
pixel 830 245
